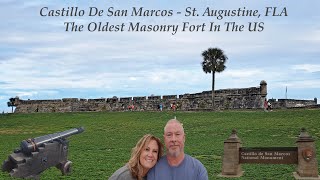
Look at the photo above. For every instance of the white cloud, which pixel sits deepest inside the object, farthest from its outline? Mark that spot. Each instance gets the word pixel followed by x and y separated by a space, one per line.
pixel 36 38
pixel 312 36
pixel 25 93
pixel 243 73
pixel 306 84
pixel 30 4
pixel 132 78
pixel 310 68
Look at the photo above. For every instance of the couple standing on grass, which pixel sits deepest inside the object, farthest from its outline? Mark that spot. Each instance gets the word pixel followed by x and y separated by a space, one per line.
pixel 147 162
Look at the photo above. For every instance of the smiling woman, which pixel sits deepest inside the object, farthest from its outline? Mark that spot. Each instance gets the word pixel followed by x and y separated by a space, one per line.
pixel 144 156
pixel 69 11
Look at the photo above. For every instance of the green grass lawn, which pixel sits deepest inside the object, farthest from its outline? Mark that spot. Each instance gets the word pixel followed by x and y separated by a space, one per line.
pixel 106 143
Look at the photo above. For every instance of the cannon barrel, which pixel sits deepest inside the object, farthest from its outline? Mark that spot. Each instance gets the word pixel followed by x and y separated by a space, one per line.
pixel 31 145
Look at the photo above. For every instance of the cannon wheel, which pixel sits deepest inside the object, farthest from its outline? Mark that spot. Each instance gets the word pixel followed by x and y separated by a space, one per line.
pixel 7 166
pixel 66 168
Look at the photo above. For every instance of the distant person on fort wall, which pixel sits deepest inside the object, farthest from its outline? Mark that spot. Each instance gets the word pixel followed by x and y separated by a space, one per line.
pixel 265 104
pixel 176 165
pixel 131 107
pixel 173 106
pixel 269 106
pixel 144 156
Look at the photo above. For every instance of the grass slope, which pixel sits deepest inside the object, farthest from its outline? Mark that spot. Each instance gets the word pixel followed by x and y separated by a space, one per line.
pixel 109 136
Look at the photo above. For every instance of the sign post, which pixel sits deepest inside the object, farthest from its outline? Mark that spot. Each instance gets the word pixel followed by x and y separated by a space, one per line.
pixel 307 160
pixel 304 155
pixel 230 165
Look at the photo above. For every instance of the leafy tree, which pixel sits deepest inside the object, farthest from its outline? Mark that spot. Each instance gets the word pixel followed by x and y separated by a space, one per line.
pixel 213 61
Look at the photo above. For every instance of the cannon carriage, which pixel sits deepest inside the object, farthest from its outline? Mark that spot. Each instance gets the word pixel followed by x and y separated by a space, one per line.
pixel 38 154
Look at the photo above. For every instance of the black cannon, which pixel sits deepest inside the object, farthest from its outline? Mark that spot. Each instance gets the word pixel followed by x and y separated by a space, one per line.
pixel 38 154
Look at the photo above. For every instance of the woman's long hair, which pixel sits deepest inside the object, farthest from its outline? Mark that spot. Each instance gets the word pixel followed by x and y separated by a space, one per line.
pixel 134 162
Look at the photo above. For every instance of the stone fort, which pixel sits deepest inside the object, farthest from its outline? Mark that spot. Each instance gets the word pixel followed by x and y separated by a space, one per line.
pixel 238 98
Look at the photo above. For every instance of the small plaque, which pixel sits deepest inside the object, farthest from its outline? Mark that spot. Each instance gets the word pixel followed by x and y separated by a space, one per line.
pixel 269 155
pixel 307 154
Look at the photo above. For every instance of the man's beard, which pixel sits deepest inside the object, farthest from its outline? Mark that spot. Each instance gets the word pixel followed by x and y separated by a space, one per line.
pixel 174 153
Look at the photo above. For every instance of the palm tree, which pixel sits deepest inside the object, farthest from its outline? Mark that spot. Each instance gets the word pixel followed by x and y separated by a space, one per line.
pixel 11 103
pixel 213 61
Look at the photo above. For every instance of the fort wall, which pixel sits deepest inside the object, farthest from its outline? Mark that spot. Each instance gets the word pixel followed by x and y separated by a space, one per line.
pixel 292 103
pixel 238 98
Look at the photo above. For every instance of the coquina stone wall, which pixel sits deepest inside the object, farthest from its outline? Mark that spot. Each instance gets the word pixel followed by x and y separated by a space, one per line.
pixel 240 98
pixel 292 103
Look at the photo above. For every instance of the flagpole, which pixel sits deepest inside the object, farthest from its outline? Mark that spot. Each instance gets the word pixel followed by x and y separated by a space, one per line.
pixel 286 92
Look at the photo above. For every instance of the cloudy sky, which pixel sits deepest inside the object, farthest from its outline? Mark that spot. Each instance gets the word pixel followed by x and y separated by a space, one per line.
pixel 40 60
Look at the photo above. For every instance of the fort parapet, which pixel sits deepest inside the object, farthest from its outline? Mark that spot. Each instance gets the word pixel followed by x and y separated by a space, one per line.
pixel 292 103
pixel 237 98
